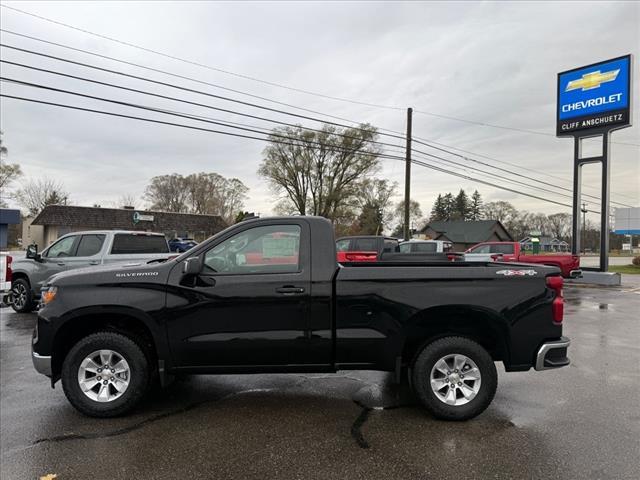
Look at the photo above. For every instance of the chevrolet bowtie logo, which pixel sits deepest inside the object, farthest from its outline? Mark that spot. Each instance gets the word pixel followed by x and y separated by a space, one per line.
pixel 592 80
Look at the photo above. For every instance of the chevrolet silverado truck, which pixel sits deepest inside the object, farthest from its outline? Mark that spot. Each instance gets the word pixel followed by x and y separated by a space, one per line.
pixel 108 332
pixel 568 264
pixel 78 250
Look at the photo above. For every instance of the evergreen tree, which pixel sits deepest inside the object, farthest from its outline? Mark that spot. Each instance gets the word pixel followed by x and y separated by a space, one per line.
pixel 439 210
pixel 449 206
pixel 461 206
pixel 475 209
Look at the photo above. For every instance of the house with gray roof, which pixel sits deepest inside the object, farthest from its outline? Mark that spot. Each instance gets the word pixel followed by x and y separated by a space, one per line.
pixel 465 233
pixel 57 220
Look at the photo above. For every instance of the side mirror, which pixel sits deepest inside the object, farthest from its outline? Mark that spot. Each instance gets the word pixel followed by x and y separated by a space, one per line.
pixel 32 252
pixel 192 266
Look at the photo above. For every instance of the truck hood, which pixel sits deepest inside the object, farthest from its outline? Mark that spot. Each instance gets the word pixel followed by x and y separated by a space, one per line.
pixel 120 273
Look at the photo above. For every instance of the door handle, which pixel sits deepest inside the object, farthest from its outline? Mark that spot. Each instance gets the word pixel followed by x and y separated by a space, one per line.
pixel 61 264
pixel 94 262
pixel 290 290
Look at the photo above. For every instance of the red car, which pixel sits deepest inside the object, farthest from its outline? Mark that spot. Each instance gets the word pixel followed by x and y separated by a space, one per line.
pixel 511 252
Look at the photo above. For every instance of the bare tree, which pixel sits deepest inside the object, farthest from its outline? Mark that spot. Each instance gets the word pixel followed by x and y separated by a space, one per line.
pixel 127 200
pixel 559 225
pixel 415 214
pixel 37 193
pixel 168 193
pixel 201 193
pixel 318 173
pixel 9 172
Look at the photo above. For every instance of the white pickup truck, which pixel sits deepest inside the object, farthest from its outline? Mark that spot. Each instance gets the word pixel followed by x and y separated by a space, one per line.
pixel 78 250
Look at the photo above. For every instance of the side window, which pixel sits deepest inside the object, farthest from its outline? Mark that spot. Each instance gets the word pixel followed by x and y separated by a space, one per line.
pixel 90 245
pixel 138 243
pixel 427 247
pixel 482 249
pixel 505 249
pixel 405 248
pixel 268 249
pixel 342 245
pixel 366 245
pixel 62 248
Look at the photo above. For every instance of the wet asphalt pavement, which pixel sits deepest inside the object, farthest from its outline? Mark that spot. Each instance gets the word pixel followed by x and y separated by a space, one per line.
pixel 582 421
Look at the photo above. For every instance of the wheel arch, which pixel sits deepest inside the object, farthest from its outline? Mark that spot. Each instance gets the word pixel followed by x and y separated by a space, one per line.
pixel 484 326
pixel 130 322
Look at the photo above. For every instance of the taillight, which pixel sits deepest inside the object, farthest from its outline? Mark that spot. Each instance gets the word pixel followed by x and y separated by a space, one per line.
pixel 7 271
pixel 557 307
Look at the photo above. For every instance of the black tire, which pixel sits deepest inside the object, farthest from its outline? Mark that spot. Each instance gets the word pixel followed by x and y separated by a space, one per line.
pixel 138 381
pixel 20 288
pixel 421 378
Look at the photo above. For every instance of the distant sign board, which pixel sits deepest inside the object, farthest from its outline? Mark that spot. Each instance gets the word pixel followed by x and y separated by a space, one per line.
pixel 140 217
pixel 627 221
pixel 593 97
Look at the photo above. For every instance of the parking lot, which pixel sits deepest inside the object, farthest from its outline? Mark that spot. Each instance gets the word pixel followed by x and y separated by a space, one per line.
pixel 578 422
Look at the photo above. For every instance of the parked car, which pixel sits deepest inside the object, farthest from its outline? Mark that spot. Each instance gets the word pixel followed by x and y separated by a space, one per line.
pixel 568 264
pixel 77 250
pixel 181 245
pixel 425 246
pixel 5 276
pixel 107 332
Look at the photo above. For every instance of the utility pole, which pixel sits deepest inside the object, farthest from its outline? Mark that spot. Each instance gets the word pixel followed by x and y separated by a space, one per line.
pixel 584 225
pixel 407 177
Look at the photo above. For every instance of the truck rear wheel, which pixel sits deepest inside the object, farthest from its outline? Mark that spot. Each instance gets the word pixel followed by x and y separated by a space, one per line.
pixel 105 374
pixel 454 378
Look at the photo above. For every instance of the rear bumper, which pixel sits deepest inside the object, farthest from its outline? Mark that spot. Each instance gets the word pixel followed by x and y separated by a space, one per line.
pixel 553 354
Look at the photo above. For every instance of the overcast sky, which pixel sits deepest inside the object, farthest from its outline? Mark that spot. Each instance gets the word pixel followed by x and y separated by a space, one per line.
pixel 487 62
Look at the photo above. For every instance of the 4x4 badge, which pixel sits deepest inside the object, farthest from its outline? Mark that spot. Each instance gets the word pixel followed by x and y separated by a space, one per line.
pixel 516 273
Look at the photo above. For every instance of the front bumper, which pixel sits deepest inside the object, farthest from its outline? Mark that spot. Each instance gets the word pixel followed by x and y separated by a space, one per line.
pixel 41 363
pixel 553 354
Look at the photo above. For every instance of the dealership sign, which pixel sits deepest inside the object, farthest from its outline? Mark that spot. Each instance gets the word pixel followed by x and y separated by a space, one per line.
pixel 594 97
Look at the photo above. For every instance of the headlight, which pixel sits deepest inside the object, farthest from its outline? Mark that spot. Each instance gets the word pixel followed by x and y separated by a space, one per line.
pixel 49 295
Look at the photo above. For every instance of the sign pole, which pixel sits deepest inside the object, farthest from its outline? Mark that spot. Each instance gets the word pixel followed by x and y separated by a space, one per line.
pixel 593 101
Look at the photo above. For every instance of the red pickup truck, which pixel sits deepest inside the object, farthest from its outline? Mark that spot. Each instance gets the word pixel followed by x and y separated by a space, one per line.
pixel 512 252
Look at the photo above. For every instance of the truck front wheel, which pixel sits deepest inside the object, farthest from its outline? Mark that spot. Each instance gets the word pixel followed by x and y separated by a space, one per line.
pixel 454 378
pixel 105 374
pixel 21 296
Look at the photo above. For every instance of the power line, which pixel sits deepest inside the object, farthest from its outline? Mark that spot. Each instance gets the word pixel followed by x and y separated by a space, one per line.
pixel 287 87
pixel 275 121
pixel 191 79
pixel 182 115
pixel 143 92
pixel 503 127
pixel 426 165
pixel 244 128
pixel 202 65
pixel 191 127
pixel 285 123
pixel 219 97
pixel 509 171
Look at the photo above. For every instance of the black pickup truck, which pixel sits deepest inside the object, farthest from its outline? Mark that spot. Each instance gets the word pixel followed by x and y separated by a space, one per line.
pixel 267 295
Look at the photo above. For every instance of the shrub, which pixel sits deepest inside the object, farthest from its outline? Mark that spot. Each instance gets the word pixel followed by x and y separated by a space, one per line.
pixel 636 261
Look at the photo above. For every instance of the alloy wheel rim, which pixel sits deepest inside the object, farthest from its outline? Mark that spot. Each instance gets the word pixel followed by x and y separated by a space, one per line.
pixel 104 375
pixel 19 295
pixel 455 379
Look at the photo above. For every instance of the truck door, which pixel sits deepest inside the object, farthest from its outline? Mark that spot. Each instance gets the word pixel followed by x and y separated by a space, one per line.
pixel 250 303
pixel 55 259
